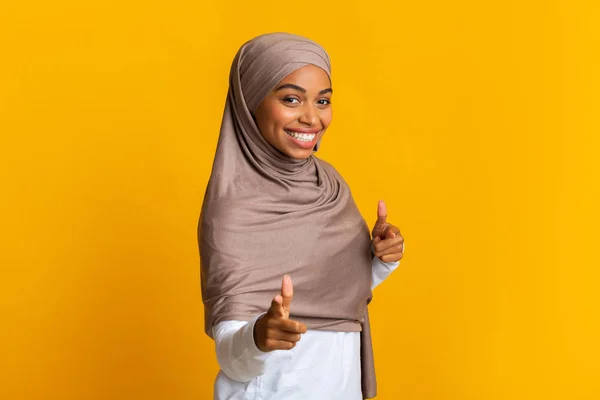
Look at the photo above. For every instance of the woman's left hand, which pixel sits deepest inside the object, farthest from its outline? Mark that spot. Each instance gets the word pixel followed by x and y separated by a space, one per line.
pixel 388 243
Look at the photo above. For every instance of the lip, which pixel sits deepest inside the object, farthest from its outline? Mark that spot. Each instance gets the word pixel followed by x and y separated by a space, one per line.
pixel 303 130
pixel 304 145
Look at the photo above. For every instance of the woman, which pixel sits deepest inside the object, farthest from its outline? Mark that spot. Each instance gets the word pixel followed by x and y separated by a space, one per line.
pixel 273 211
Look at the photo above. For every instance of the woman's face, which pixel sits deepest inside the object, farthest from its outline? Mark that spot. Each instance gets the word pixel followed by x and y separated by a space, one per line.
pixel 296 113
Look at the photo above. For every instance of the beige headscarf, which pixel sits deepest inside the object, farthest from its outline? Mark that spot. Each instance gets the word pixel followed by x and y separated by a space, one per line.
pixel 266 214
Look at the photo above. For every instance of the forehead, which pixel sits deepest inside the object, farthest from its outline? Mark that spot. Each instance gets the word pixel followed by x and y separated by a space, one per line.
pixel 310 77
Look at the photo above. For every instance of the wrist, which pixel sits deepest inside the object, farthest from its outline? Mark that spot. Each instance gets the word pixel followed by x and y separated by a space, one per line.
pixel 257 332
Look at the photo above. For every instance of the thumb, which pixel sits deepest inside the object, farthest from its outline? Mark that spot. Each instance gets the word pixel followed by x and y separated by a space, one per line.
pixel 381 222
pixel 287 293
pixel 276 309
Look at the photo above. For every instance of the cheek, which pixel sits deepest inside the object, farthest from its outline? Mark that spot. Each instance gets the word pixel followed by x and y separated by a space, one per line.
pixel 326 117
pixel 275 116
pixel 282 116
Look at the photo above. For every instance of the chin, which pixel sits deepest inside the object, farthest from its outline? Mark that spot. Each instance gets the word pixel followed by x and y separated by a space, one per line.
pixel 299 155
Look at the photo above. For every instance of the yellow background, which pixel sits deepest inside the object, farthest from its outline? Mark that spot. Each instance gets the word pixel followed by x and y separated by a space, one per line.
pixel 476 121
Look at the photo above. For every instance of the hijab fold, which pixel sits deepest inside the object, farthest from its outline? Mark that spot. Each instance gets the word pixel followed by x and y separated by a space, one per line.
pixel 266 214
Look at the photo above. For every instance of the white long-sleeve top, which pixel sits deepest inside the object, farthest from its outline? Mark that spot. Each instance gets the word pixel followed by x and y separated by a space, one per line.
pixel 324 364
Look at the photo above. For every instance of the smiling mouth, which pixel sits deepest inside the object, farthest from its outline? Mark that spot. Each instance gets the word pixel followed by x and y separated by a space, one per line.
pixel 302 137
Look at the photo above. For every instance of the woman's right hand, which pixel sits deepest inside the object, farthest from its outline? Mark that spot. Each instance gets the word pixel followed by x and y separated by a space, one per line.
pixel 275 330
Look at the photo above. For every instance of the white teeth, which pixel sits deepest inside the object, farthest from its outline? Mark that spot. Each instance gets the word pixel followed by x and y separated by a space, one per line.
pixel 303 137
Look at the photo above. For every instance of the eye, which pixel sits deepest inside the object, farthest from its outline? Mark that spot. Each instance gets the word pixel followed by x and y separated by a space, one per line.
pixel 324 102
pixel 291 100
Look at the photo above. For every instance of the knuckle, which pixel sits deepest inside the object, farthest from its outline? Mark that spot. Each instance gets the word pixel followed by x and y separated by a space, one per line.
pixel 274 331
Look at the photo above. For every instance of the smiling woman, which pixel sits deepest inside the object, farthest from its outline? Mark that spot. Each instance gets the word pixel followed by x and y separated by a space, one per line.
pixel 294 116
pixel 273 211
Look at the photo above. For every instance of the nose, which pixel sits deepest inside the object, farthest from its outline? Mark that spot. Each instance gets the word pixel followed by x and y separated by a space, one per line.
pixel 310 115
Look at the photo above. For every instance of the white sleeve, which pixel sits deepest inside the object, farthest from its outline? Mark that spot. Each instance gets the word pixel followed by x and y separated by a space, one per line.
pixel 237 354
pixel 381 270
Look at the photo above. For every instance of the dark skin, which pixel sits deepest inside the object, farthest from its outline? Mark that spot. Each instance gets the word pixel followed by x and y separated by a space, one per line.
pixel 388 243
pixel 301 103
pixel 275 330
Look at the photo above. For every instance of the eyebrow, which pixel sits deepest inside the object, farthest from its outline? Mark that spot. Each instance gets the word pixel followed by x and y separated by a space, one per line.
pixel 301 89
